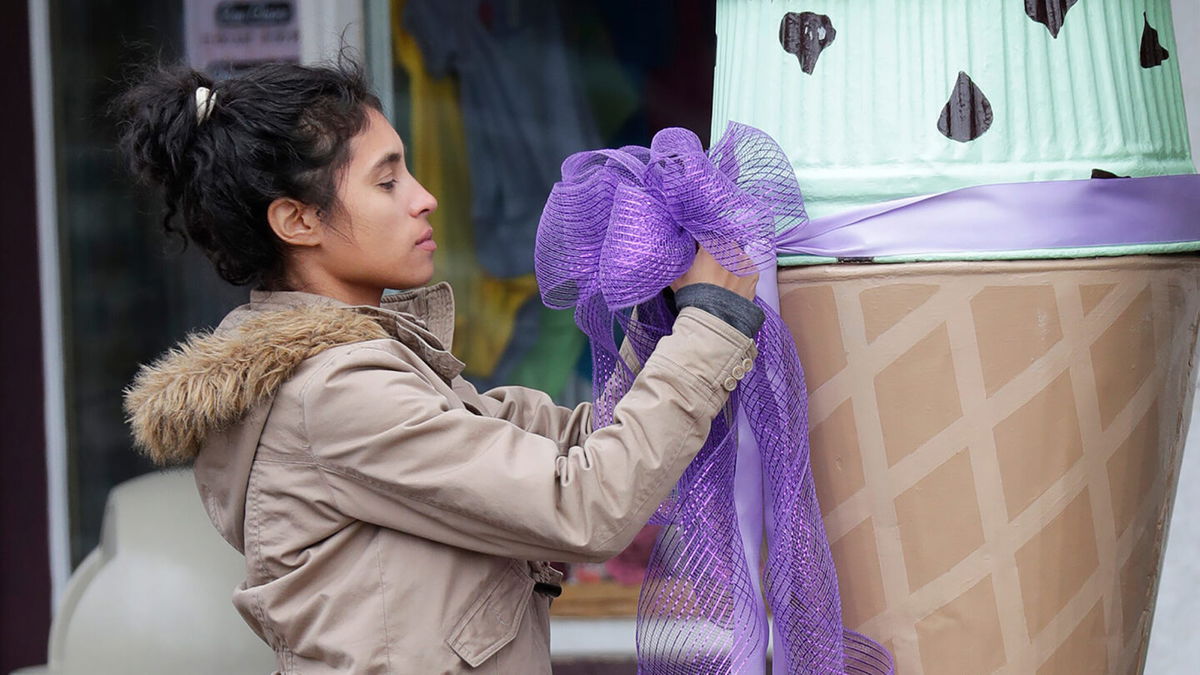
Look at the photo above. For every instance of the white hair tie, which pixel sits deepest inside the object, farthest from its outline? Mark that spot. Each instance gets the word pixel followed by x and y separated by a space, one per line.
pixel 205 100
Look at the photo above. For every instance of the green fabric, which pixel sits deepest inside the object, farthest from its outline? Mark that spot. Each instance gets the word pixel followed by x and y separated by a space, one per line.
pixel 863 127
pixel 550 361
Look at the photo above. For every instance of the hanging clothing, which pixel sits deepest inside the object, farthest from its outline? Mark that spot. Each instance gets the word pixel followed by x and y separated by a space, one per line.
pixel 522 107
pixel 437 152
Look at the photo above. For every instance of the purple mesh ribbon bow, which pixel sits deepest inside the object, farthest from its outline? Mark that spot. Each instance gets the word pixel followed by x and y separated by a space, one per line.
pixel 617 230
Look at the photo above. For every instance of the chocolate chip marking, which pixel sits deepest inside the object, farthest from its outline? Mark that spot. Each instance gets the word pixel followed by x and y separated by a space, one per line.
pixel 968 113
pixel 806 35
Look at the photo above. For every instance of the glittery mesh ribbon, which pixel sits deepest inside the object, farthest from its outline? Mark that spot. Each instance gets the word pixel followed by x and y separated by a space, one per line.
pixel 618 229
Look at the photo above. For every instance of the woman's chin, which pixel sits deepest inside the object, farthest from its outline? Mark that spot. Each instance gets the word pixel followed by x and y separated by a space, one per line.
pixel 416 278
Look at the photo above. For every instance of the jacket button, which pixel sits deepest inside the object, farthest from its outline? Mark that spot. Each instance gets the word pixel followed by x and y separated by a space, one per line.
pixel 748 365
pixel 730 384
pixel 739 372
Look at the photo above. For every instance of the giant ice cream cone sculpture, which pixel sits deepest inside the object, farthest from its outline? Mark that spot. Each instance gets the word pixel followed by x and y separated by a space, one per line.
pixel 995 438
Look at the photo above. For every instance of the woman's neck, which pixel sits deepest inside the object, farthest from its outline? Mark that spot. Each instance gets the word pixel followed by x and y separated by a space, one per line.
pixel 351 294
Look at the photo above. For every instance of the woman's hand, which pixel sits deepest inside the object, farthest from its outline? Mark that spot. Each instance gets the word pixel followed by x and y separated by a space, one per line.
pixel 706 270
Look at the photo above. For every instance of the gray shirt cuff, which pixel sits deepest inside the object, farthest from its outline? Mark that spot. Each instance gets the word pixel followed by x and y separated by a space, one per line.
pixel 724 304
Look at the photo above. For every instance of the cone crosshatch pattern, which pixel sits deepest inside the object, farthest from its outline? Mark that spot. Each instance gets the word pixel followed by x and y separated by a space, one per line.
pixel 995 447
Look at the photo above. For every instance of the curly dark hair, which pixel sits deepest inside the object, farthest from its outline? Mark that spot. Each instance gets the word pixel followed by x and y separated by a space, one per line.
pixel 276 130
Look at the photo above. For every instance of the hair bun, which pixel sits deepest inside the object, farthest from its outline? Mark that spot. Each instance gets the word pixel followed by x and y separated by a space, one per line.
pixel 285 131
pixel 158 122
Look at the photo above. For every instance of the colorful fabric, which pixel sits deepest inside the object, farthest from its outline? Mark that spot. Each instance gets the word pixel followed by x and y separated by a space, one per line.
pixel 522 108
pixel 437 155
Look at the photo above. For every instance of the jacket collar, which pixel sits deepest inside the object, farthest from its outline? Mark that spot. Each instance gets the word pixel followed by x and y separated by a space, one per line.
pixel 430 307
pixel 422 319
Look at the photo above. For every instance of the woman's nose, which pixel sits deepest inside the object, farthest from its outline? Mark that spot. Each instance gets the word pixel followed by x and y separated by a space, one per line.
pixel 425 202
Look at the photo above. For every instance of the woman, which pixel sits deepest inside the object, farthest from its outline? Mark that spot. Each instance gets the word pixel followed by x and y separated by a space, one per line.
pixel 393 519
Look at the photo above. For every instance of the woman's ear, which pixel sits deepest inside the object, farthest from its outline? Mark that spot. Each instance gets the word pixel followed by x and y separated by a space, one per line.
pixel 295 222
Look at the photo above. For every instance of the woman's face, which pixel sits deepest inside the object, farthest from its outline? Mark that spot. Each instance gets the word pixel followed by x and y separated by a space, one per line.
pixel 386 239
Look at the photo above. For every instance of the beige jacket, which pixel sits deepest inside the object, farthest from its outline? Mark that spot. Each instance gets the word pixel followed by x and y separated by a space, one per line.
pixel 388 511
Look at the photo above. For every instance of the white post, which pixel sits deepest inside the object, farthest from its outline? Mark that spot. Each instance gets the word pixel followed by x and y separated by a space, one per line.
pixel 379 58
pixel 55 403
pixel 324 25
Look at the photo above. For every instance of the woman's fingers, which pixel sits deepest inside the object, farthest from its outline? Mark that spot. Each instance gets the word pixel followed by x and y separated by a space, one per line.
pixel 706 270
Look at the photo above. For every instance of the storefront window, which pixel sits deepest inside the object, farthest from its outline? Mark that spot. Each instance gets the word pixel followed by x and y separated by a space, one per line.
pixel 489 95
pixel 127 292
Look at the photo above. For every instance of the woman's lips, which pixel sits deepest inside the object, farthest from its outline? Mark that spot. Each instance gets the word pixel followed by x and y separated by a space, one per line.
pixel 426 242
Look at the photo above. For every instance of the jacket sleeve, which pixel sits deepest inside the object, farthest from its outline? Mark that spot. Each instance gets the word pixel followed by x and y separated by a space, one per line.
pixel 401 457
pixel 535 412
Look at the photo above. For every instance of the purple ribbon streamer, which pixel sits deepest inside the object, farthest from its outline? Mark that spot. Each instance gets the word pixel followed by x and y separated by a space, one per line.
pixel 1011 217
pixel 618 229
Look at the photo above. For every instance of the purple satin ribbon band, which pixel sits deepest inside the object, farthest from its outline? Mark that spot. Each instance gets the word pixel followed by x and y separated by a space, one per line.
pixel 620 227
pixel 1010 217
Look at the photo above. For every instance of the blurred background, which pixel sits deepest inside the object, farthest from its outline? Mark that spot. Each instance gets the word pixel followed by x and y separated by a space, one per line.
pixel 489 95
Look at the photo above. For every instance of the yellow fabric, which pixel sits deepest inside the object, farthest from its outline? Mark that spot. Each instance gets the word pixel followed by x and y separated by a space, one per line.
pixel 437 156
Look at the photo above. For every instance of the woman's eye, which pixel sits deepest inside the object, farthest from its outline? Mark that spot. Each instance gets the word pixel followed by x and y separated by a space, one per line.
pixel 388 185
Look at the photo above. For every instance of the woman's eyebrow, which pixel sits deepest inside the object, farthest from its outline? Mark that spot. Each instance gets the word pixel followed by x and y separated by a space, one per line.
pixel 390 158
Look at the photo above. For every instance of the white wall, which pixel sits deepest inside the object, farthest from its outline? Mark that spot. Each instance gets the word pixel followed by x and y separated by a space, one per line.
pixel 1187 46
pixel 1174 647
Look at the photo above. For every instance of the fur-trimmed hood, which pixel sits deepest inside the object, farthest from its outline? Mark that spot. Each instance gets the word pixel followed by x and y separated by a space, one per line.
pixel 208 399
pixel 213 380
